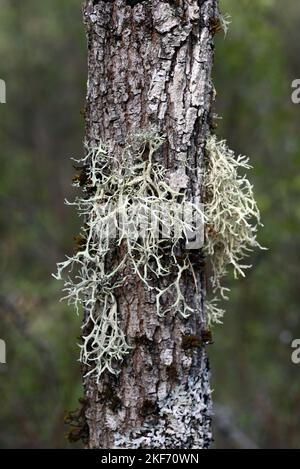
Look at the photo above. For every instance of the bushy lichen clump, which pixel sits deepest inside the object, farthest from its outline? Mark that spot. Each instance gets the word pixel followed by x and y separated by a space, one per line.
pixel 129 207
pixel 232 218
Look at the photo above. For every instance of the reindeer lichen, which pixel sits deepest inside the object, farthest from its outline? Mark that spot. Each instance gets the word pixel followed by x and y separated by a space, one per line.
pixel 225 22
pixel 134 224
pixel 131 208
pixel 232 218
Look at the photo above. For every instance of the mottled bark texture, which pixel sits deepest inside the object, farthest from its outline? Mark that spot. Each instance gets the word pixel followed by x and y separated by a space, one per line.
pixel 150 64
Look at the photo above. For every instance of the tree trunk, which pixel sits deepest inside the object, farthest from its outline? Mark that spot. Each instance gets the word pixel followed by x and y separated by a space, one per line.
pixel 149 64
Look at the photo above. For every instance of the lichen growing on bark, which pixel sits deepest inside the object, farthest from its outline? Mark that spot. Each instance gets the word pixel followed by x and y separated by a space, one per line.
pixel 182 421
pixel 130 208
pixel 232 218
pixel 127 203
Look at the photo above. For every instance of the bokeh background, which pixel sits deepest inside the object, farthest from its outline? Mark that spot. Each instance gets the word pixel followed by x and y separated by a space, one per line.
pixel 43 61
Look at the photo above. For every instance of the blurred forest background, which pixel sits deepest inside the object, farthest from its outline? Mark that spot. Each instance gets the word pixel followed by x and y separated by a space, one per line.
pixel 43 61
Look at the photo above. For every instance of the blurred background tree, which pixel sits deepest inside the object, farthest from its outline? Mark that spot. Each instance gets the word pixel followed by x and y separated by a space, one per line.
pixel 43 52
pixel 252 370
pixel 42 49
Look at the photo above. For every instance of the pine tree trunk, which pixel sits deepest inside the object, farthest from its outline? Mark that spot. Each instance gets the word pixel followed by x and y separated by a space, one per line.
pixel 149 64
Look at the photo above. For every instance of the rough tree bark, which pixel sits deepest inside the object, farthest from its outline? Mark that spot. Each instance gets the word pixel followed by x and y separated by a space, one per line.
pixel 149 63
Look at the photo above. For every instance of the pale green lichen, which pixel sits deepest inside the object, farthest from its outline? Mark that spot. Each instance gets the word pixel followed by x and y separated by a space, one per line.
pixel 225 21
pixel 128 205
pixel 213 312
pixel 232 218
pixel 131 208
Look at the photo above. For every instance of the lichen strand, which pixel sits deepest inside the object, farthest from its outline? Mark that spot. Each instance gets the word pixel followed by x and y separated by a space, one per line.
pixel 232 219
pixel 225 22
pixel 120 196
pixel 183 420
